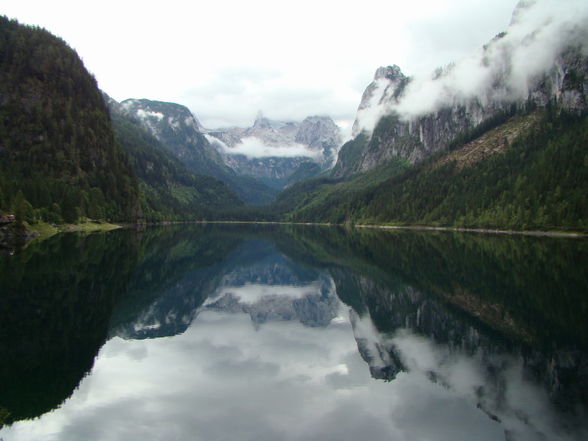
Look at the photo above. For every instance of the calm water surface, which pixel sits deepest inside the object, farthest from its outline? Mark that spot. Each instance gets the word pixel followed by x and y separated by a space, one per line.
pixel 309 333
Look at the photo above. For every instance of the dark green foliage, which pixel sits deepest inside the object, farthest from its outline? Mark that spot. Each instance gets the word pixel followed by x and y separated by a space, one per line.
pixel 306 170
pixel 350 154
pixel 539 182
pixel 57 299
pixel 251 190
pixel 56 141
pixel 168 189
pixel 332 200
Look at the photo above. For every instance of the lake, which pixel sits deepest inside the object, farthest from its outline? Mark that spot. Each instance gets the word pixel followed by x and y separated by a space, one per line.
pixel 253 332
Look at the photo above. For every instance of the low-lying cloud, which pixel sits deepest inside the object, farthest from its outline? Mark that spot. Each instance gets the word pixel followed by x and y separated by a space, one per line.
pixel 503 70
pixel 253 147
pixel 539 32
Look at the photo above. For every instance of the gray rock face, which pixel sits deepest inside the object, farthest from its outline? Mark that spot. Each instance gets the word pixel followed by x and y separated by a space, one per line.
pixel 179 131
pixel 320 133
pixel 316 140
pixel 388 84
pixel 412 118
pixel 380 355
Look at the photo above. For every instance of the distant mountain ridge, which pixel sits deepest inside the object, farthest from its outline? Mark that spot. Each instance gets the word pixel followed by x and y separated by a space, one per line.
pixel 255 178
pixel 284 151
pixel 169 190
pixel 176 128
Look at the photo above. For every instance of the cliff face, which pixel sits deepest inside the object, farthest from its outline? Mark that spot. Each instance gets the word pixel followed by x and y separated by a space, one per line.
pixel 277 152
pixel 533 64
pixel 182 135
pixel 174 126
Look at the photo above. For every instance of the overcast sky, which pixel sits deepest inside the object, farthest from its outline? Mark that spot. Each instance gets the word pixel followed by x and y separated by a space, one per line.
pixel 226 60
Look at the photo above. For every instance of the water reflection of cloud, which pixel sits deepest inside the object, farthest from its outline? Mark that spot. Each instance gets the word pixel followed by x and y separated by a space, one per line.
pixel 252 292
pixel 495 383
pixel 223 379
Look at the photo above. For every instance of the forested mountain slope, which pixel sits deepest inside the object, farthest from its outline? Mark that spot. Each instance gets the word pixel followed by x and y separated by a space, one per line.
pixel 539 180
pixel 168 189
pixel 181 134
pixel 58 156
pixel 505 149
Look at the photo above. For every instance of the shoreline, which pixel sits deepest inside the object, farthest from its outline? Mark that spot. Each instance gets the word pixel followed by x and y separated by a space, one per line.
pixel 41 232
pixel 536 233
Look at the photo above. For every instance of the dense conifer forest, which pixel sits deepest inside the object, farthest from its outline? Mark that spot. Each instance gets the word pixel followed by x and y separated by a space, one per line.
pixel 64 157
pixel 540 181
pixel 58 157
pixel 168 190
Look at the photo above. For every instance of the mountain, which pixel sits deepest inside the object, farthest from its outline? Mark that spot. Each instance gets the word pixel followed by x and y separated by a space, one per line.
pixel 174 126
pixel 168 188
pixel 492 141
pixel 57 298
pixel 59 159
pixel 412 118
pixel 279 153
pixel 220 273
pixel 180 133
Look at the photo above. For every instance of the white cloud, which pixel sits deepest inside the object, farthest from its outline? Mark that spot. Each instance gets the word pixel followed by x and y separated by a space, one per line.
pixel 146 114
pixel 252 293
pixel 253 147
pixel 223 377
pixel 226 59
pixel 529 48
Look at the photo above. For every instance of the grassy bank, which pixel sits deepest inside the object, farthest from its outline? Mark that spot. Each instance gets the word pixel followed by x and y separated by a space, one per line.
pixel 44 230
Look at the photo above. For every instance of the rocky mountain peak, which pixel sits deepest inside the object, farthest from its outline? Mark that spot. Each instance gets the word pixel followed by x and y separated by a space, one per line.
pixel 261 122
pixel 387 86
pixel 392 73
pixel 179 132
pixel 155 115
pixel 318 132
pixel 293 150
pixel 419 116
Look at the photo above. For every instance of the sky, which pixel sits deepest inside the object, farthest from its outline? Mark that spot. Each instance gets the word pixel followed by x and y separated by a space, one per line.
pixel 281 380
pixel 227 60
pixel 505 69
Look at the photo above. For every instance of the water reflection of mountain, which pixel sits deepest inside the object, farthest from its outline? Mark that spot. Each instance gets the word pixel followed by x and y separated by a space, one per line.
pixel 56 299
pixel 252 278
pixel 486 317
pixel 505 313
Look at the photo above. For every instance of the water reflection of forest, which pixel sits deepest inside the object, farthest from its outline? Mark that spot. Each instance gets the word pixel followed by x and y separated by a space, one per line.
pixel 490 295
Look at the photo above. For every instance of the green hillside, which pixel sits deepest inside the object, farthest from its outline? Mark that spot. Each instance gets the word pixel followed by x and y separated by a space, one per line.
pixel 530 172
pixel 168 189
pixel 58 157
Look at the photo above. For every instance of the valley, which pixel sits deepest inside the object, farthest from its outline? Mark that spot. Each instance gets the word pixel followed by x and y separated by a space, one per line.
pixel 294 221
pixel 498 155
